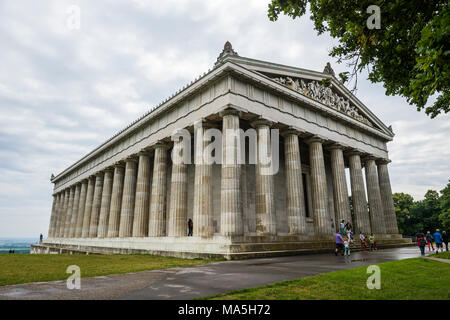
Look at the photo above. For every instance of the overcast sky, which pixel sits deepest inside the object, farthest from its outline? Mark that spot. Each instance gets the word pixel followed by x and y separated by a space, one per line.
pixel 64 91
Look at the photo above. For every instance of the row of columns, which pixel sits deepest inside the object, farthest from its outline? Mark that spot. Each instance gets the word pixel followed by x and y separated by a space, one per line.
pixel 130 201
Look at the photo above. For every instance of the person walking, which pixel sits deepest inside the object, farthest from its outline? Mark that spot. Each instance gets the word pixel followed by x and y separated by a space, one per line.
pixel 346 247
pixel 429 238
pixel 438 240
pixel 445 239
pixel 421 241
pixel 339 244
pixel 190 227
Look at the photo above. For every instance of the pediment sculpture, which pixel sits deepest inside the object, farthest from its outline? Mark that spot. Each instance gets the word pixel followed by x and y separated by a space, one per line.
pixel 323 94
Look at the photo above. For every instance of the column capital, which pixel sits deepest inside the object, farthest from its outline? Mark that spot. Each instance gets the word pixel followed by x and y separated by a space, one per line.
pixel 315 138
pixel 99 174
pixel 230 111
pixel 160 145
pixel 335 145
pixel 144 152
pixel 108 169
pixel 369 157
pixel 293 130
pixel 383 161
pixel 131 158
pixel 261 122
pixel 354 152
pixel 118 164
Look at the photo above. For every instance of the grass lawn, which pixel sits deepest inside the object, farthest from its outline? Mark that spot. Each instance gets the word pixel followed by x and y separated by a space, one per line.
pixel 442 255
pixel 21 268
pixel 404 279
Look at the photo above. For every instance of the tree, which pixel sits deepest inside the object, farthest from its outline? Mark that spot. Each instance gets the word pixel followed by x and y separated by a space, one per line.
pixel 409 54
pixel 402 204
pixel 444 217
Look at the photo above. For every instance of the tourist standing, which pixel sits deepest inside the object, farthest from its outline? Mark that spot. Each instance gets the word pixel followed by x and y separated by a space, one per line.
pixel 445 239
pixel 372 242
pixel 421 242
pixel 429 241
pixel 339 244
pixel 190 227
pixel 40 238
pixel 438 240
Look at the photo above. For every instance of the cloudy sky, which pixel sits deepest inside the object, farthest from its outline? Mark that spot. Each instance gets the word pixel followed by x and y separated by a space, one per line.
pixel 64 90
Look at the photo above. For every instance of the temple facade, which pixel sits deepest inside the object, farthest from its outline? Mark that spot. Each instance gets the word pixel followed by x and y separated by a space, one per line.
pixel 257 155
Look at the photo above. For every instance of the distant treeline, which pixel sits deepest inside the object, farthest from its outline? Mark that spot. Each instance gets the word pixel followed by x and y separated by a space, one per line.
pixel 429 214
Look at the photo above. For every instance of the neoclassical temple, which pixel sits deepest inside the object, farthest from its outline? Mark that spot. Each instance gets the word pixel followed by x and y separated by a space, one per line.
pixel 129 195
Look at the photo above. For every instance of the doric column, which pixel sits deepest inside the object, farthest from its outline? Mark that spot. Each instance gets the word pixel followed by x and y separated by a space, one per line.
pixel 361 215
pixel 319 192
pixel 230 194
pixel 141 209
pixel 51 226
pixel 129 193
pixel 62 213
pixel 106 203
pixel 116 201
pixel 295 204
pixel 340 194
pixel 81 206
pixel 88 207
pixel 203 213
pixel 76 201
pixel 96 204
pixel 69 212
pixel 373 193
pixel 266 223
pixel 390 217
pixel 178 191
pixel 157 220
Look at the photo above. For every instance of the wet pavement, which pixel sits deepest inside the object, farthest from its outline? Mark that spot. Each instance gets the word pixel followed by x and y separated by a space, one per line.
pixel 204 280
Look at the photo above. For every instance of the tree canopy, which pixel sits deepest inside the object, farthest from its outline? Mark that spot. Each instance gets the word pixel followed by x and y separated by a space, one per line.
pixel 409 54
pixel 429 214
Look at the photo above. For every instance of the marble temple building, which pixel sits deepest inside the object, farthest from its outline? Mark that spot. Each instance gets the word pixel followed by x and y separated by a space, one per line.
pixel 129 195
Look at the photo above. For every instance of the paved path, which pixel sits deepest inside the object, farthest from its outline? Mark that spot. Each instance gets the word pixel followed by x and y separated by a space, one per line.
pixel 204 280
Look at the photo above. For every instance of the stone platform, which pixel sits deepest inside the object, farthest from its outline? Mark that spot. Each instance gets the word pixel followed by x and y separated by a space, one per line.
pixel 230 248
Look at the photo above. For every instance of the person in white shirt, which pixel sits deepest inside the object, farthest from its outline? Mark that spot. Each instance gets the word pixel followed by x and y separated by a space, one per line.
pixel 346 248
pixel 362 238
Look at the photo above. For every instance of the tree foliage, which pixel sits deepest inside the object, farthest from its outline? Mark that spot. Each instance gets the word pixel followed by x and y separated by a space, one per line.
pixel 409 54
pixel 429 214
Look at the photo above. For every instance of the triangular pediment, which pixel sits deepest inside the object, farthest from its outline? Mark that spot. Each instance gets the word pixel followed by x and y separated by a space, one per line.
pixel 325 93
pixel 322 87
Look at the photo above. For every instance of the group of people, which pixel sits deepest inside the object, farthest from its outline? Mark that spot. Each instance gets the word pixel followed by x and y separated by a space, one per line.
pixel 428 239
pixel 344 239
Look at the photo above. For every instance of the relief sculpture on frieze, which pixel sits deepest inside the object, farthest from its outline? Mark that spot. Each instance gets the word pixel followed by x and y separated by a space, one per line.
pixel 323 94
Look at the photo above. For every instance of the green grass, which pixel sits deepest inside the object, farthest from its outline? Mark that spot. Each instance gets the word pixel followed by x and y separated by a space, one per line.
pixel 416 278
pixel 22 268
pixel 442 255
